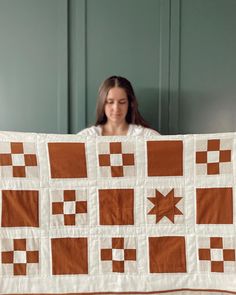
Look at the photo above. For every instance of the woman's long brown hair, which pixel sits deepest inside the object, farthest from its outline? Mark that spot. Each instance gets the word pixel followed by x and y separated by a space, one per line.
pixel 133 115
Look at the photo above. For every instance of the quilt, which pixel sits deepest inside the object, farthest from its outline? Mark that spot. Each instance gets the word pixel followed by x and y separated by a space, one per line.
pixel 121 215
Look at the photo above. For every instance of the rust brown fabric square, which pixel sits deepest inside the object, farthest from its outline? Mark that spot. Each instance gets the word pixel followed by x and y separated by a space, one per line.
pixel 5 160
pixel 81 207
pixel 128 159
pixel 69 219
pixel 116 206
pixel 214 205
pixel 117 171
pixel 67 160
pixel 201 157
pixel 216 243
pixel 217 266
pixel 213 168
pixel 57 208
pixel 115 148
pixel 106 254
pixel 69 256
pixel 130 254
pixel 19 171
pixel 204 254
pixel 225 156
pixel 229 255
pixel 104 160
pixel 20 208
pixel 69 195
pixel 19 244
pixel 17 148
pixel 165 158
pixel 118 266
pixel 7 257
pixel 32 256
pixel 19 269
pixel 213 145
pixel 30 160
pixel 117 243
pixel 167 254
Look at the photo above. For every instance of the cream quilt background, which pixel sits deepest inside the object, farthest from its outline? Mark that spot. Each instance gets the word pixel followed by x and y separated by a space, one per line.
pixel 117 214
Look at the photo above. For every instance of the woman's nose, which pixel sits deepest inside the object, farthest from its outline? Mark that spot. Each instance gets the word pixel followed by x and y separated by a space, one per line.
pixel 115 107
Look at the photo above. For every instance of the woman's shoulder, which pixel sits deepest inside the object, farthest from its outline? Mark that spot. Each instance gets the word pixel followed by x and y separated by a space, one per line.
pixel 140 130
pixel 93 130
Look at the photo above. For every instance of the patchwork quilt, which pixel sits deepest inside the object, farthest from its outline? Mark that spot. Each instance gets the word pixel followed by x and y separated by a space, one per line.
pixel 101 215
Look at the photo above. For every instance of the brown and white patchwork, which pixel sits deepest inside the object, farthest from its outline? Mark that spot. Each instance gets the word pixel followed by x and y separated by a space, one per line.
pixel 165 206
pixel 19 257
pixel 69 207
pixel 118 254
pixel 18 159
pixel 214 157
pixel 116 159
pixel 217 254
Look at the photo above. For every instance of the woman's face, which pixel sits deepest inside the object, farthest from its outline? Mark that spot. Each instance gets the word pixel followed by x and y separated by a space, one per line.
pixel 116 105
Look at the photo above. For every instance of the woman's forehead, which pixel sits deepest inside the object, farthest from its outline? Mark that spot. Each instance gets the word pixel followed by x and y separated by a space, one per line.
pixel 117 93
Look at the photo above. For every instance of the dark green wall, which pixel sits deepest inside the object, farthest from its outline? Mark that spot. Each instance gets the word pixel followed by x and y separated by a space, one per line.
pixel 125 37
pixel 207 66
pixel 179 55
pixel 33 65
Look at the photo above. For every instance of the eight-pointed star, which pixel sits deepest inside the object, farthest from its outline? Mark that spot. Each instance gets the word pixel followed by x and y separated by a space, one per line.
pixel 165 206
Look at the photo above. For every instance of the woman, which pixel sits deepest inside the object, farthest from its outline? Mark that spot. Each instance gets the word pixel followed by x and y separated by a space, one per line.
pixel 117 111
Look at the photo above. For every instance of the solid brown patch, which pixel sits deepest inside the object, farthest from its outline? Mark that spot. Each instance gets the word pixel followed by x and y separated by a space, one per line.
pixel 67 160
pixel 20 208
pixel 167 254
pixel 69 256
pixel 165 158
pixel 214 205
pixel 116 206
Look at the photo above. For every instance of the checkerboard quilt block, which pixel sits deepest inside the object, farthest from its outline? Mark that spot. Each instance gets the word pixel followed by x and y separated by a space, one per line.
pixel 18 159
pixel 116 159
pixel 68 207
pixel 216 254
pixel 120 215
pixel 20 257
pixel 118 255
pixel 213 156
